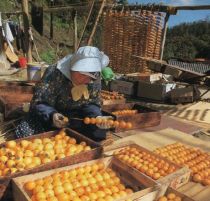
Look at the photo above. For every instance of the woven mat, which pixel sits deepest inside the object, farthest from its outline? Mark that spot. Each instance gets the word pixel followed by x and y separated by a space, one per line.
pixel 199 112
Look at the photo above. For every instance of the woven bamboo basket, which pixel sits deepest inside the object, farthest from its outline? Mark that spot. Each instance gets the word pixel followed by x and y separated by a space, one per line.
pixel 128 33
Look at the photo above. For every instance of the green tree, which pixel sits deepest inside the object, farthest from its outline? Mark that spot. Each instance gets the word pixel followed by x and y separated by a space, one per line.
pixel 124 2
pixel 188 41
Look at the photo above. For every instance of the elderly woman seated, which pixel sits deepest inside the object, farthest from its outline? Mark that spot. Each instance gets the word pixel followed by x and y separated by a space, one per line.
pixel 71 88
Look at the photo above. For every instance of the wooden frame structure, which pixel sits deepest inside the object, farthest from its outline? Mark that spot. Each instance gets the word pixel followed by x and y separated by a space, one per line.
pixel 169 10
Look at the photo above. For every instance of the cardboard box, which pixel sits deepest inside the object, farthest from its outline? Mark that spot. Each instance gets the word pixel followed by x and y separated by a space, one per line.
pixel 141 185
pixel 123 87
pixel 154 91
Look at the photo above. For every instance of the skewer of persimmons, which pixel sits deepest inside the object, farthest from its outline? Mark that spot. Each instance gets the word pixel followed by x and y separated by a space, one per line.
pixel 98 120
pixel 110 122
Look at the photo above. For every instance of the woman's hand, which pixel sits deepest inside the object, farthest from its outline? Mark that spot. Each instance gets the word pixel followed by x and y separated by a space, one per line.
pixel 105 124
pixel 60 121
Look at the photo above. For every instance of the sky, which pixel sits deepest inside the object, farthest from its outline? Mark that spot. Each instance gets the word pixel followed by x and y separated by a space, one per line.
pixel 182 16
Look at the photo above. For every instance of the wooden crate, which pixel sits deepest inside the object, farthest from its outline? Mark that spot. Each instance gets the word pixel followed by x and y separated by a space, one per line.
pixel 148 77
pixel 145 117
pixel 175 179
pixel 141 185
pixel 22 93
pixel 112 101
pixel 182 95
pixel 181 195
pixel 94 153
pixel 123 87
pixel 189 146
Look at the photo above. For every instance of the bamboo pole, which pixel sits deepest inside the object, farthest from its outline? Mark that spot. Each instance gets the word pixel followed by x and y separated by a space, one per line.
pixel 96 22
pixel 26 28
pixel 86 23
pixel 75 31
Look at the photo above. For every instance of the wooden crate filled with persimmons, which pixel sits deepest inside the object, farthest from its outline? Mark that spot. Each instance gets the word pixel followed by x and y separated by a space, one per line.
pixel 45 151
pixel 97 180
pixel 152 165
pixel 109 97
pixel 139 116
pixel 173 195
pixel 194 158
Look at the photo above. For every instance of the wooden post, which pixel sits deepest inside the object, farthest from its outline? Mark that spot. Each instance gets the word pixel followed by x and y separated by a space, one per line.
pixel 164 35
pixel 51 21
pixel 26 29
pixel 51 25
pixel 96 22
pixel 75 31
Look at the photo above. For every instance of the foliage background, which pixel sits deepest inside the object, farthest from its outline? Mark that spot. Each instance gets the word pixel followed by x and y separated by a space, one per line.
pixel 188 41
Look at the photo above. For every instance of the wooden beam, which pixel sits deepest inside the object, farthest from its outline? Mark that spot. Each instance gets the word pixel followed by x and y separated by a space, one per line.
pixel 51 22
pixel 164 63
pixel 201 7
pixel 154 7
pixel 26 29
pixel 162 8
pixel 164 35
pixel 64 8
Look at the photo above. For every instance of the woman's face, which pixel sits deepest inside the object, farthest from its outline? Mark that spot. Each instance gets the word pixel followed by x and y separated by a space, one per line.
pixel 77 78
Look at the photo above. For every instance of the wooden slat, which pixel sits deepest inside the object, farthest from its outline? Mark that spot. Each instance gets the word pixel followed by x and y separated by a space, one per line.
pixel 94 153
pixel 176 179
pixel 132 33
pixel 141 184
pixel 152 140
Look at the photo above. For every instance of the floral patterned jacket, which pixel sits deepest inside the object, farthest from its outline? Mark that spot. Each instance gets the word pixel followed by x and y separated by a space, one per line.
pixel 55 91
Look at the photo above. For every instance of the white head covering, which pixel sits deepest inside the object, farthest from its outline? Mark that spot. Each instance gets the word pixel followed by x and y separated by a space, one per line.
pixel 86 59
